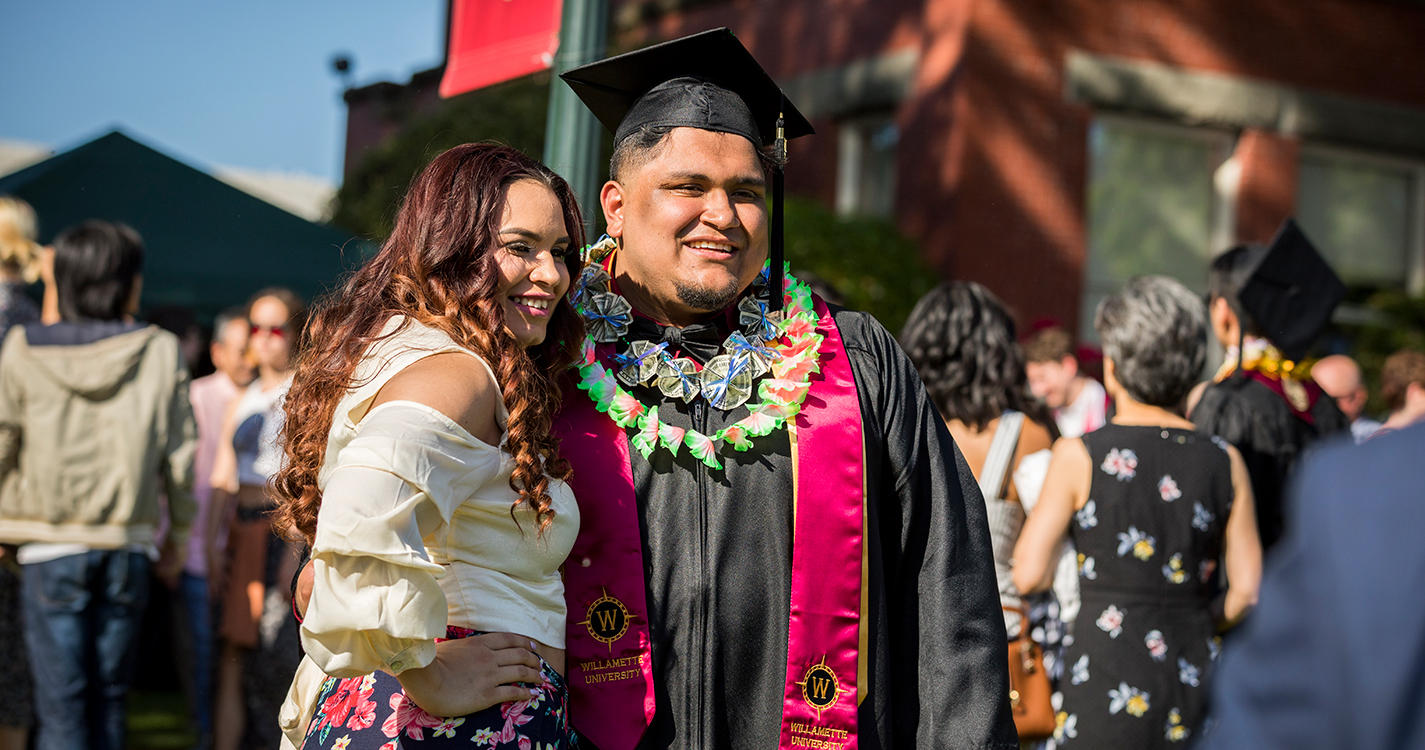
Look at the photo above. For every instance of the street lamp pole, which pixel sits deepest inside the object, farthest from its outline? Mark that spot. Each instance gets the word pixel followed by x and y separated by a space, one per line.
pixel 571 135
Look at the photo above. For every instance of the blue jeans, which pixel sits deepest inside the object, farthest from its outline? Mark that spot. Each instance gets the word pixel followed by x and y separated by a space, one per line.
pixel 195 643
pixel 82 616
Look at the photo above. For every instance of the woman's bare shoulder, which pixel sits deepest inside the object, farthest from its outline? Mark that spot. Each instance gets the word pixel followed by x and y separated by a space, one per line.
pixel 1071 451
pixel 1034 437
pixel 455 384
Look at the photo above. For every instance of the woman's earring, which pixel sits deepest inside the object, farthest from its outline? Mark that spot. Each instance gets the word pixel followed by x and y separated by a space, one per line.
pixel 601 249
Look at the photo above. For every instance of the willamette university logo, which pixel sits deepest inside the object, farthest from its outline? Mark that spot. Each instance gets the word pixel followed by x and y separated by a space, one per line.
pixel 607 620
pixel 820 687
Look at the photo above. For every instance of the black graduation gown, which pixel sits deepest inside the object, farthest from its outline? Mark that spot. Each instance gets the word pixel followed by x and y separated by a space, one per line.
pixel 1270 436
pixel 717 561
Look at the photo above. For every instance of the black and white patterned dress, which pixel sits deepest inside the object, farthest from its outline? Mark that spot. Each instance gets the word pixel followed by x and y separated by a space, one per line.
pixel 1149 539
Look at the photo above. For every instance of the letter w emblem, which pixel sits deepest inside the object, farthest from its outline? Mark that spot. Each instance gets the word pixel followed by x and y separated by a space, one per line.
pixel 820 688
pixel 607 618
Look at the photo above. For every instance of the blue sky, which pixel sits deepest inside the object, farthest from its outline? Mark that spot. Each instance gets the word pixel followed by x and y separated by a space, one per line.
pixel 245 84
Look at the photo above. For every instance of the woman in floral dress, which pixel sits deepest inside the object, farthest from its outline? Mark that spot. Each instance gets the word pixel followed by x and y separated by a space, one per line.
pixel 1152 505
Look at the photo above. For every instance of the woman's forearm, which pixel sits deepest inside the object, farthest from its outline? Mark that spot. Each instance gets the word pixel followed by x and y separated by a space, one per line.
pixel 1031 576
pixel 424 685
pixel 1236 605
pixel 475 673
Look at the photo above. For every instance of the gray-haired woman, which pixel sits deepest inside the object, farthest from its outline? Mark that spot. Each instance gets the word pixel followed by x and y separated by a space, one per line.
pixel 1152 505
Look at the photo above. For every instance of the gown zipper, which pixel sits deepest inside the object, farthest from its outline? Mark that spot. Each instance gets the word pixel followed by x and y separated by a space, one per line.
pixel 700 420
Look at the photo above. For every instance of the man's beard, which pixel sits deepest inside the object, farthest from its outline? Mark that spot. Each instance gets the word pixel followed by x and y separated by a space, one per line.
pixel 706 298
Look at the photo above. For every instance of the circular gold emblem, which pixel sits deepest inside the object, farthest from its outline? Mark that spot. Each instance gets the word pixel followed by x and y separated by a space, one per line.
pixel 820 687
pixel 607 619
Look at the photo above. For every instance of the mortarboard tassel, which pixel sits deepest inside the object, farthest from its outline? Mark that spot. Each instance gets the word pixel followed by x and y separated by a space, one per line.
pixel 774 275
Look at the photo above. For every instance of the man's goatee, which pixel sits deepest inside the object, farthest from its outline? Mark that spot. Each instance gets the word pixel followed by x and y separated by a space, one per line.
pixel 706 298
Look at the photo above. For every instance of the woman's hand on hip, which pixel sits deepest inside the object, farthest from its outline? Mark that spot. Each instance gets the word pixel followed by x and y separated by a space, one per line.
pixel 475 673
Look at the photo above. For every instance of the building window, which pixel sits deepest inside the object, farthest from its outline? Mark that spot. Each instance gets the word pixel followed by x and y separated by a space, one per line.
pixel 1365 215
pixel 1159 202
pixel 866 173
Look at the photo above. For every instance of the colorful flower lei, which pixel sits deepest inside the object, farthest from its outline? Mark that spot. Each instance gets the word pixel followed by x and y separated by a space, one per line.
pixel 796 357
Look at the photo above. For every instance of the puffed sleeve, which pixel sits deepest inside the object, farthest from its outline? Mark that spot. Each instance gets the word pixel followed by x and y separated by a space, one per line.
pixel 375 600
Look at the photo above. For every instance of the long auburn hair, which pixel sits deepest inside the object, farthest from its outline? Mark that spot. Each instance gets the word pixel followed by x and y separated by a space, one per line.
pixel 438 268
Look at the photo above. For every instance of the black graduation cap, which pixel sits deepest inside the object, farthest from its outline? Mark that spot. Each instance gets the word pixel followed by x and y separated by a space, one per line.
pixel 707 81
pixel 1292 292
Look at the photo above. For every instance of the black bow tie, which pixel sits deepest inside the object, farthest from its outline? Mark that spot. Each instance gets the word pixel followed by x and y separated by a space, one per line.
pixel 700 341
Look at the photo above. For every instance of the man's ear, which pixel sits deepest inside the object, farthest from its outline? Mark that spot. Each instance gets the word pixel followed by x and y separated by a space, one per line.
pixel 611 199
pixel 1223 320
pixel 1070 363
pixel 1110 378
pixel 1222 311
pixel 131 307
pixel 1415 395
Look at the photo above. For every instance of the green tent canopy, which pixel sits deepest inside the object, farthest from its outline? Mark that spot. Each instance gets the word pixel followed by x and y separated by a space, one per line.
pixel 208 245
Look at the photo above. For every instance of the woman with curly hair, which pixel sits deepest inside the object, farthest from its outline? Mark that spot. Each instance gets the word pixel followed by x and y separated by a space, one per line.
pixel 961 339
pixel 422 471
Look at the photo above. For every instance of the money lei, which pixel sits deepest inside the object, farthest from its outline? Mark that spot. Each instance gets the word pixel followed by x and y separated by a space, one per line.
pixel 796 357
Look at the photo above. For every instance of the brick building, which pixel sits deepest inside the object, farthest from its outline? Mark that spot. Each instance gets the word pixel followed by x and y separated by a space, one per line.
pixel 1051 150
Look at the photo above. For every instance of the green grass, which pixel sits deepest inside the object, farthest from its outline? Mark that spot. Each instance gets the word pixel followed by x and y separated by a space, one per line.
pixel 159 721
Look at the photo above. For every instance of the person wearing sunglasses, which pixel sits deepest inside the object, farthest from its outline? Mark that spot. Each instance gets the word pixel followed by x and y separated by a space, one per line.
pixel 260 562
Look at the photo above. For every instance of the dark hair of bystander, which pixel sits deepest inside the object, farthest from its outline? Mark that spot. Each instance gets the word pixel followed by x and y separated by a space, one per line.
pixel 961 339
pixel 96 265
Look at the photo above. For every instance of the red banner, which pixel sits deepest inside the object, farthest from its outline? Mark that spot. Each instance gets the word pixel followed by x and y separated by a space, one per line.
pixel 495 40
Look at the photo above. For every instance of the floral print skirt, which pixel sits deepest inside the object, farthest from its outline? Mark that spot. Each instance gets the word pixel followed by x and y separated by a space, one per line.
pixel 373 713
pixel 1136 673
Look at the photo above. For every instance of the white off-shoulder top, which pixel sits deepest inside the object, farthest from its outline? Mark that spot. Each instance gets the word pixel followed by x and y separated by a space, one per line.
pixel 415 531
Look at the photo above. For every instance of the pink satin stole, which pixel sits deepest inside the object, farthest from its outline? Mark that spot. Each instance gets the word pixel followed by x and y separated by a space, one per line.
pixel 823 635
pixel 610 672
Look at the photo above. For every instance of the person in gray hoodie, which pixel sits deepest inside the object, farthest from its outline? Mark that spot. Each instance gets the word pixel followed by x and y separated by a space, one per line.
pixel 94 420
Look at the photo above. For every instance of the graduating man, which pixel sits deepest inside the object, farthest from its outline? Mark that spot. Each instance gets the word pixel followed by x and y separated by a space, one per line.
pixel 781 546
pixel 1267 305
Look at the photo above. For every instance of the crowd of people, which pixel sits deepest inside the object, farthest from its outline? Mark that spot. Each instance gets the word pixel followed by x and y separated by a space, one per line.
pixel 121 474
pixel 509 488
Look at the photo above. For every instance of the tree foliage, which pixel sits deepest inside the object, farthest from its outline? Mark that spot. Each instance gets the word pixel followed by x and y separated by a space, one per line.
pixel 1400 325
pixel 872 265
pixel 512 113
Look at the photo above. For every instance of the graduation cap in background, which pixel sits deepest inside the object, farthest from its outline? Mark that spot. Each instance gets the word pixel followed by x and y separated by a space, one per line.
pixel 707 81
pixel 1292 292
